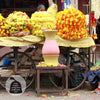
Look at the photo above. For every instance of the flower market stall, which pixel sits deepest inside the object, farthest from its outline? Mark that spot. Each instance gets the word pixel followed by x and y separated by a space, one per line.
pixel 20 30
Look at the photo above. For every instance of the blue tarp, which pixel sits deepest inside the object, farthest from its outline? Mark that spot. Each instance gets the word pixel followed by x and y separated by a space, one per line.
pixel 7 61
pixel 93 76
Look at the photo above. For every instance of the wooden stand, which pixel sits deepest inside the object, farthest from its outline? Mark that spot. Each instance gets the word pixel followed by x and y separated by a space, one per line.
pixel 50 70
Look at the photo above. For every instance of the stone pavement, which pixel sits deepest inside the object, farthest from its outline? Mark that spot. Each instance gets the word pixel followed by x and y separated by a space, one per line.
pixel 30 94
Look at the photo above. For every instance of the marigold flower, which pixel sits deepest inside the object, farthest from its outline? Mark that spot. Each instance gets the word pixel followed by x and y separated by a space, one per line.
pixel 71 24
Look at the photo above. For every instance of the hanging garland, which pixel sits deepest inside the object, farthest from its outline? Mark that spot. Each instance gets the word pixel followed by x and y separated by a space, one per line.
pixel 93 24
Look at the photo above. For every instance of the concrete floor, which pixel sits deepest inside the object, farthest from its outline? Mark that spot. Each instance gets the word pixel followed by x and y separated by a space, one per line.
pixel 30 94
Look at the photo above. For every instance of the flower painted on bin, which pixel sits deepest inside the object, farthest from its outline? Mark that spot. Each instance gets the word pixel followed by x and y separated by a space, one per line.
pixel 70 24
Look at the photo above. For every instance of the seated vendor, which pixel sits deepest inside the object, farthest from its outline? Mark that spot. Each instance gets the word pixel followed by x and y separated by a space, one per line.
pixel 51 10
pixel 41 7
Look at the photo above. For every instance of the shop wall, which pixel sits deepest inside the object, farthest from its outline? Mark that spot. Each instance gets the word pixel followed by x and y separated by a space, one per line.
pixel 83 6
pixel 29 6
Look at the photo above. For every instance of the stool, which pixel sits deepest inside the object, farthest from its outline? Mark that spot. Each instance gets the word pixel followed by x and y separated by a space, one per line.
pixel 50 70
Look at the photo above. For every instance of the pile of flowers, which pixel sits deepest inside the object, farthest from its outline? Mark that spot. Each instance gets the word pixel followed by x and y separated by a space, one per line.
pixel 96 66
pixel 2 26
pixel 41 20
pixel 42 64
pixel 71 24
pixel 17 24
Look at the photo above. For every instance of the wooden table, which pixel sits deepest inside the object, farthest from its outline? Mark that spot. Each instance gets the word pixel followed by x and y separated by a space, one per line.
pixel 52 69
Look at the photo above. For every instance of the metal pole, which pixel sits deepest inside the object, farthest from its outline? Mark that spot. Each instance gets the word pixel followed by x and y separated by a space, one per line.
pixel 90 17
pixel 89 31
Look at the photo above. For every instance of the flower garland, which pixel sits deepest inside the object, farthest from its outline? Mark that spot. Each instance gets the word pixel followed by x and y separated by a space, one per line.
pixel 2 26
pixel 17 24
pixel 41 20
pixel 42 64
pixel 71 24
pixel 93 24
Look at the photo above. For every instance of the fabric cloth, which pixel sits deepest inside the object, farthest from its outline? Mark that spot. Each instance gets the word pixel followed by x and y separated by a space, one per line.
pixel 52 10
pixel 93 76
pixel 7 61
pixel 30 40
